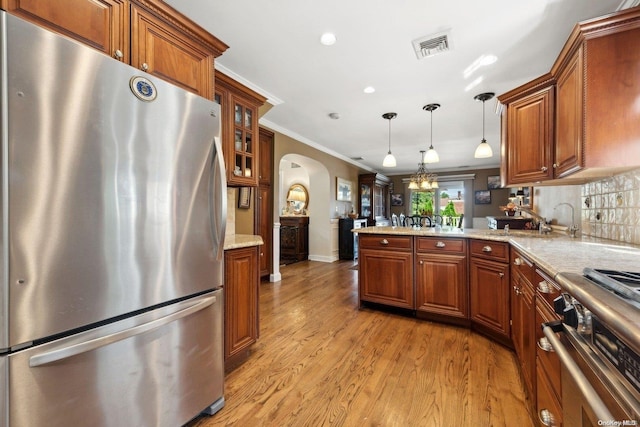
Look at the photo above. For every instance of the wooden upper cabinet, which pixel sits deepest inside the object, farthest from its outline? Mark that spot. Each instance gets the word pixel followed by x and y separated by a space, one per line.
pixel 528 143
pixel 240 130
pixel 101 24
pixel 147 34
pixel 158 49
pixel 569 114
pixel 589 120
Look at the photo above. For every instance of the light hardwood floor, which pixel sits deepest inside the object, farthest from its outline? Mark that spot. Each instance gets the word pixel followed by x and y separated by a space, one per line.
pixel 323 361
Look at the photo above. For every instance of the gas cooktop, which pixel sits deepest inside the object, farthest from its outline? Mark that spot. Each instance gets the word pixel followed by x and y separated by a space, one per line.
pixel 623 283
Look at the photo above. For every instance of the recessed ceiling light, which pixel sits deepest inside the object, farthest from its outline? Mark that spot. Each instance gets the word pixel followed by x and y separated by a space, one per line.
pixel 369 89
pixel 328 39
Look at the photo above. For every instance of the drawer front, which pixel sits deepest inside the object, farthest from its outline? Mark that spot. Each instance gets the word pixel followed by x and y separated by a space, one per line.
pixel 489 249
pixel 385 241
pixel 523 265
pixel 546 289
pixel 441 245
pixel 547 359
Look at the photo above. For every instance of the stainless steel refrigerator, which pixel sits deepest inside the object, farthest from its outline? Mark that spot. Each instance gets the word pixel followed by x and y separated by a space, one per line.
pixel 113 208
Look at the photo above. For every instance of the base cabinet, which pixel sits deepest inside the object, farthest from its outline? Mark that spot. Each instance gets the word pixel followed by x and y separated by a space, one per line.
pixel 385 270
pixel 489 289
pixel 441 279
pixel 294 238
pixel 241 289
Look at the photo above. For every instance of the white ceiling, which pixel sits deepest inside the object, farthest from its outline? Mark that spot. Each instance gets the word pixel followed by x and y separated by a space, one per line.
pixel 275 49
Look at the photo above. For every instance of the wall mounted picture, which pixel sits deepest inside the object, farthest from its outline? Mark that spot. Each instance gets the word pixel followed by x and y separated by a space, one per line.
pixel 343 190
pixel 244 197
pixel 397 199
pixel 493 182
pixel 483 197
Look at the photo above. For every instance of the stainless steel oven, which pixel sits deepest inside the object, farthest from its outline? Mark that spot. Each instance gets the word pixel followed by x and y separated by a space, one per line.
pixel 597 342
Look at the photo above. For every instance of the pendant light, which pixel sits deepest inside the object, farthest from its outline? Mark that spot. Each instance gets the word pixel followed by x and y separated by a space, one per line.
pixel 483 150
pixel 431 156
pixel 389 160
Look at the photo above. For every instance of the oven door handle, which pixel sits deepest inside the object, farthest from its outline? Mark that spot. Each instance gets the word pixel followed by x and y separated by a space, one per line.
pixel 597 405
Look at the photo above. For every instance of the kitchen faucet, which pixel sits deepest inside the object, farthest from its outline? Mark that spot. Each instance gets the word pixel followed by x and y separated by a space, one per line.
pixel 573 229
pixel 538 220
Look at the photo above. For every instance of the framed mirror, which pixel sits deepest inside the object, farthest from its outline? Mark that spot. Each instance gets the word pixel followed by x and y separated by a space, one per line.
pixel 298 199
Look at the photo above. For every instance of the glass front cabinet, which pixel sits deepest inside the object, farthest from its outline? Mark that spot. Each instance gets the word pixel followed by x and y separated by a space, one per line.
pixel 239 106
pixel 373 198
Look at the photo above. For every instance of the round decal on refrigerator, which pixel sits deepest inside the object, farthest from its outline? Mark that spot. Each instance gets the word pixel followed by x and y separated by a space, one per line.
pixel 143 88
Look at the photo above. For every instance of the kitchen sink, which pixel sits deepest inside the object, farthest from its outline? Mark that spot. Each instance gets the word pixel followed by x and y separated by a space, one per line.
pixel 520 233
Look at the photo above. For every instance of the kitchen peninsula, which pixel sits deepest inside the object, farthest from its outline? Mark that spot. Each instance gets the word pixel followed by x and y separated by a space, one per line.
pixel 502 285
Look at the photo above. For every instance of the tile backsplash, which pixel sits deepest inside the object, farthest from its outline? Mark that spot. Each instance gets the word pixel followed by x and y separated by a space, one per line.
pixel 611 208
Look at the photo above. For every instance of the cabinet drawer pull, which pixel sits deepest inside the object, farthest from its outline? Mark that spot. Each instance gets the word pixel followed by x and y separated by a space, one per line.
pixel 384 242
pixel 547 418
pixel 144 66
pixel 545 345
pixel 440 245
pixel 487 249
pixel 501 274
pixel 544 288
pixel 118 54
pixel 517 261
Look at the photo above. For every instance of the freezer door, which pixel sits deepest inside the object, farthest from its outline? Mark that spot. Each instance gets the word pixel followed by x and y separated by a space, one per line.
pixel 161 368
pixel 112 203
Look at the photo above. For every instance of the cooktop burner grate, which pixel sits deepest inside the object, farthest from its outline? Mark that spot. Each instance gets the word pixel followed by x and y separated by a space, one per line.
pixel 624 283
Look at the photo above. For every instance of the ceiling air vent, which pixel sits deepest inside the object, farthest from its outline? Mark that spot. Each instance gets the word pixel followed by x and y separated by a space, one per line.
pixel 431 45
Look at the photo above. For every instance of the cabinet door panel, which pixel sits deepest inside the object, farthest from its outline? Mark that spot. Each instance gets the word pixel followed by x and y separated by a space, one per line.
pixel 101 24
pixel 441 285
pixel 489 287
pixel 569 114
pixel 161 51
pixel 386 277
pixel 241 299
pixel 530 133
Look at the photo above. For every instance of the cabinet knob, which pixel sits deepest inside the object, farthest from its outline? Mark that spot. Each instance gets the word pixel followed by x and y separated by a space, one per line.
pixel 144 66
pixel 543 169
pixel 547 418
pixel 555 165
pixel 543 287
pixel 517 261
pixel 384 242
pixel 487 249
pixel 501 274
pixel 440 244
pixel 118 54
pixel 421 262
pixel 545 345
pixel 516 290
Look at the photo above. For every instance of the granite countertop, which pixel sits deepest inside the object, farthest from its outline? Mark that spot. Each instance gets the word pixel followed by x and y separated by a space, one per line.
pixel 236 241
pixel 556 252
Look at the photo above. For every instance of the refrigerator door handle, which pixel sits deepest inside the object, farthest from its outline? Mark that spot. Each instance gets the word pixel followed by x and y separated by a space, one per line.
pixel 218 200
pixel 86 346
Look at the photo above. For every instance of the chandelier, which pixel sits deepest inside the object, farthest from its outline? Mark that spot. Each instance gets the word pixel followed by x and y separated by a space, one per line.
pixel 423 179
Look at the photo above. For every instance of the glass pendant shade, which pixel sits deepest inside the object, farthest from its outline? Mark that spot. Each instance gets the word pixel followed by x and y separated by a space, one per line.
pixel 389 160
pixel 431 156
pixel 483 150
